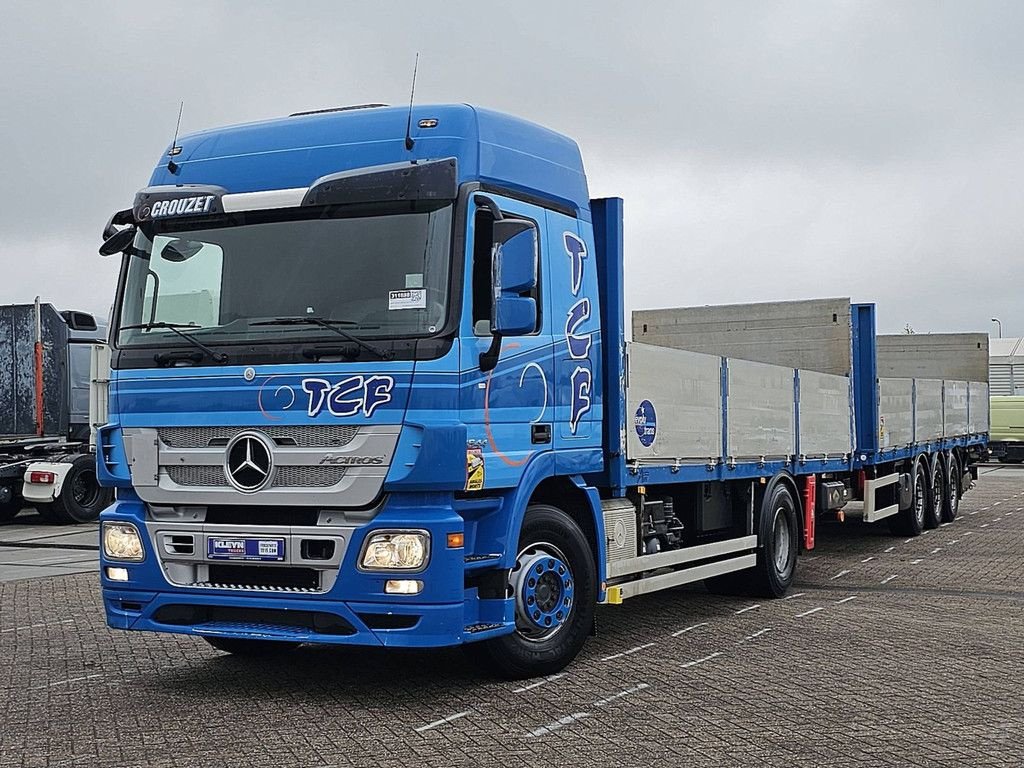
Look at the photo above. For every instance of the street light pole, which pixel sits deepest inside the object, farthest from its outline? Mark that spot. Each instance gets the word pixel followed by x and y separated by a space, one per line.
pixel 999 326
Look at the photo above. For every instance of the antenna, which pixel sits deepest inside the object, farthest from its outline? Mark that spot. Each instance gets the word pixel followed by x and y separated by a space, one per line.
pixel 409 143
pixel 175 149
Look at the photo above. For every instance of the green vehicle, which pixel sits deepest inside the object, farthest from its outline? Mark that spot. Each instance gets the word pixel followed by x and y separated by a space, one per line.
pixel 1006 400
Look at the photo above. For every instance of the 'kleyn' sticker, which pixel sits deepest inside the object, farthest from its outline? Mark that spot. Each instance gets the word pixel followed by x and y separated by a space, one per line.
pixel 412 298
pixel 646 423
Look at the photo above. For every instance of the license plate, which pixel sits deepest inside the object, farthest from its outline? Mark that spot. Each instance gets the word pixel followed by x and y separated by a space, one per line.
pixel 244 549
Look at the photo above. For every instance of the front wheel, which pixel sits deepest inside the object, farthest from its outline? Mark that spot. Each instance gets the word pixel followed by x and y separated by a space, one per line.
pixel 778 535
pixel 554 585
pixel 240 646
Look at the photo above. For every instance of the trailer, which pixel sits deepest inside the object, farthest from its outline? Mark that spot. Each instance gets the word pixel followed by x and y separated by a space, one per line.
pixel 371 386
pixel 49 361
pixel 1006 374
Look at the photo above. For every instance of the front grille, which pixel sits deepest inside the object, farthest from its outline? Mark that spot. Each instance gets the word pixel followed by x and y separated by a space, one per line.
pixel 302 436
pixel 224 576
pixel 300 476
pixel 247 619
pixel 197 475
pixel 239 514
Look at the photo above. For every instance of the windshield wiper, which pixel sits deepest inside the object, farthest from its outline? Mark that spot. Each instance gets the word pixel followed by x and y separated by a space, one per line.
pixel 218 357
pixel 331 325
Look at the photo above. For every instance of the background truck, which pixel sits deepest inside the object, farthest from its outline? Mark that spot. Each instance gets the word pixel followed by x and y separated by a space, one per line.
pixel 1006 375
pixel 370 385
pixel 47 362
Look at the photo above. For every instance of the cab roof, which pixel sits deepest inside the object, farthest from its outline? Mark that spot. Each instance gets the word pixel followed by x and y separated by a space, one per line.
pixel 285 153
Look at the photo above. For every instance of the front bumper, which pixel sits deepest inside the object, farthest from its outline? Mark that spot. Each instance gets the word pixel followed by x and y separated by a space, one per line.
pixel 353 609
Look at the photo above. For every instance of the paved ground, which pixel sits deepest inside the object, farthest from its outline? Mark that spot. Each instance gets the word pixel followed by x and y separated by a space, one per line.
pixel 30 548
pixel 889 652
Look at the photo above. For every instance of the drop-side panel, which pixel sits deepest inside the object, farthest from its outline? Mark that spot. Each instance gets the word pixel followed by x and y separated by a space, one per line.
pixel 928 409
pixel 684 393
pixel 825 424
pixel 977 407
pixel 895 412
pixel 760 410
pixel 955 356
pixel 954 408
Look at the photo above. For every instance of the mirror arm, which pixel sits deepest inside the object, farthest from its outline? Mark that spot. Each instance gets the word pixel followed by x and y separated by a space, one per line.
pixel 489 359
pixel 485 202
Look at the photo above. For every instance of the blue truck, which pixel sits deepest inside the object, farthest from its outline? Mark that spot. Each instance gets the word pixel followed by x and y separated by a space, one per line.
pixel 371 386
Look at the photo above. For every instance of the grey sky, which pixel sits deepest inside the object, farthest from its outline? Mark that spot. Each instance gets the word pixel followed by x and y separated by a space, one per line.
pixel 765 151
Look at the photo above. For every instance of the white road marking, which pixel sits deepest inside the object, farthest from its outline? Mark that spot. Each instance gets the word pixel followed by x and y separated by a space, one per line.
pixel 620 694
pixel 684 631
pixel 847 599
pixel 35 626
pixel 996 519
pixel 560 723
pixel 798 594
pixel 996 503
pixel 936 550
pixel 890 549
pixel 952 541
pixel 915 562
pixel 925 533
pixel 626 653
pixel 531 686
pixel 756 634
pixel 983 509
pixel 983 525
pixel 701 661
pixel 840 574
pixel 968 533
pixel 944 525
pixel 808 613
pixel 748 608
pixel 65 682
pixel 442 721
pixel 868 559
pixel 887 579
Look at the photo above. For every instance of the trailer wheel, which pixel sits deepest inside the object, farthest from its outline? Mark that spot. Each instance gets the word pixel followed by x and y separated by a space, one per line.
pixel 778 533
pixel 554 585
pixel 936 494
pixel 240 646
pixel 81 498
pixel 953 492
pixel 910 521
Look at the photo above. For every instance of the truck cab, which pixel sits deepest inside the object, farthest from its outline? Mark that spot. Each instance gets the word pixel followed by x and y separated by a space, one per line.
pixel 344 359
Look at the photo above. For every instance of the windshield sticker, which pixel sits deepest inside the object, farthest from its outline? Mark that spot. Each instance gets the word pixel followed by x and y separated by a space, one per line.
pixel 412 298
pixel 414 280
pixel 349 396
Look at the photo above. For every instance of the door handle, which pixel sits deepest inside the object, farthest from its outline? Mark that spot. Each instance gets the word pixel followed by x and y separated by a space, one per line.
pixel 540 434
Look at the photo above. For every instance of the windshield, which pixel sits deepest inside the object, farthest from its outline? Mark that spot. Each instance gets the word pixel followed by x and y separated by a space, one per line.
pixel 377 273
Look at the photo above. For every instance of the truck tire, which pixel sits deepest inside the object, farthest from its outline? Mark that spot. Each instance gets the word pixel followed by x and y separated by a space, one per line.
pixel 778 533
pixel 910 521
pixel 9 509
pixel 936 493
pixel 81 498
pixel 554 585
pixel 240 646
pixel 953 491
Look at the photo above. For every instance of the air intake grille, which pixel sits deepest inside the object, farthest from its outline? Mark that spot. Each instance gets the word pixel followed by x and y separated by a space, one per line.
pixel 302 436
pixel 303 476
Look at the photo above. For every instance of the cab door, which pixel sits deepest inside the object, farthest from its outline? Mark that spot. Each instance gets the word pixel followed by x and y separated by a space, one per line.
pixel 509 409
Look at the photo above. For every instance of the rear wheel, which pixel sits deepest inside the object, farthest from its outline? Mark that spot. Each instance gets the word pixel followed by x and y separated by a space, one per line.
pixel 936 494
pixel 952 503
pixel 240 646
pixel 554 584
pixel 779 539
pixel 81 498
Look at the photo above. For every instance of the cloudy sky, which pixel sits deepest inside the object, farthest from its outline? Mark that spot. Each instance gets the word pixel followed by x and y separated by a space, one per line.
pixel 764 150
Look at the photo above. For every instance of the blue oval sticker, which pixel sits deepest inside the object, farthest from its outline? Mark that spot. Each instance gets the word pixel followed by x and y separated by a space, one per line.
pixel 646 423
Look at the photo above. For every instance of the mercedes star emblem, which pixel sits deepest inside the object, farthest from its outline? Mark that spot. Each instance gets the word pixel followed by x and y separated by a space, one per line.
pixel 249 461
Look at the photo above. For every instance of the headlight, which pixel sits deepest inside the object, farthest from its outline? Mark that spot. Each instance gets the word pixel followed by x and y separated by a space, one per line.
pixel 121 542
pixel 396 550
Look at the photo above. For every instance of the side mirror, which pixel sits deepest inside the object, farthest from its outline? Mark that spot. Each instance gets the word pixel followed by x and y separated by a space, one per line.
pixel 119 242
pixel 514 258
pixel 178 251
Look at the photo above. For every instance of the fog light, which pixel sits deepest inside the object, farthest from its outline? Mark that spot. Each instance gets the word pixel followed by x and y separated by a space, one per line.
pixel 403 587
pixel 117 574
pixel 121 541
